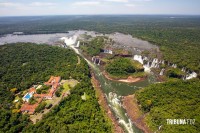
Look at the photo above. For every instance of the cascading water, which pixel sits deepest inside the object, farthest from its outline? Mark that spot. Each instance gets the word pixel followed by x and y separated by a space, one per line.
pixel 174 66
pixel 183 69
pixel 155 63
pixel 78 44
pixel 113 98
pixel 191 75
pixel 112 92
pixel 149 64
pixel 96 60
pixel 138 58
pixel 162 72
pixel 99 62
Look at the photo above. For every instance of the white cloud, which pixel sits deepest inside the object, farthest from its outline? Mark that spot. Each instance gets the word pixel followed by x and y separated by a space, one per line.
pixel 86 3
pixel 120 1
pixel 21 5
pixel 10 4
pixel 42 4
pixel 142 0
pixel 130 5
pixel 147 0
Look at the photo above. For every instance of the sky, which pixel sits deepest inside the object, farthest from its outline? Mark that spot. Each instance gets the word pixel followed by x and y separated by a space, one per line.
pixel 97 7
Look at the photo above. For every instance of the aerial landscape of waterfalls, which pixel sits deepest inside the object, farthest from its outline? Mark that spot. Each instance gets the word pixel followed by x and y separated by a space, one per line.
pixel 99 66
pixel 114 91
pixel 112 97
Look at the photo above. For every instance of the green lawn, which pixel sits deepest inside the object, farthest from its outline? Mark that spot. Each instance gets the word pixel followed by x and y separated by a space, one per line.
pixel 85 96
pixel 69 84
pixel 66 87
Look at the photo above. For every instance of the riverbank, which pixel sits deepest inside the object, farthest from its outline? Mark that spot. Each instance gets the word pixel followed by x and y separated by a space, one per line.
pixel 134 113
pixel 104 105
pixel 130 79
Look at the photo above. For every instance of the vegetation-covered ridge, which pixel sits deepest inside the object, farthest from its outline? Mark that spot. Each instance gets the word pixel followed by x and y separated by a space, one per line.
pixel 94 46
pixel 171 100
pixel 124 67
pixel 25 64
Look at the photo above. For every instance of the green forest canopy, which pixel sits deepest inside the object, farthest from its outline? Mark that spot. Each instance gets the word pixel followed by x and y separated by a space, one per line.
pixel 178 37
pixel 25 64
pixel 123 67
pixel 94 47
pixel 171 100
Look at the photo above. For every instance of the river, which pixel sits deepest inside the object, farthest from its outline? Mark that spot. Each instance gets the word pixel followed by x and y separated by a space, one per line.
pixel 121 40
pixel 114 91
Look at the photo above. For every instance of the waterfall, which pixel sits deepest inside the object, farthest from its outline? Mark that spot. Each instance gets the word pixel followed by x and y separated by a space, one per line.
pixel 191 75
pixel 183 69
pixel 138 58
pixel 95 60
pixel 78 44
pixel 69 41
pixel 146 69
pixel 114 101
pixel 99 62
pixel 150 64
pixel 162 71
pixel 174 66
pixel 155 63
pixel 145 58
pixel 184 77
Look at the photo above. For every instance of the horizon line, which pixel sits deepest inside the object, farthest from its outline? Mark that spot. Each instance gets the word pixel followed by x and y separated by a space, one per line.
pixel 101 15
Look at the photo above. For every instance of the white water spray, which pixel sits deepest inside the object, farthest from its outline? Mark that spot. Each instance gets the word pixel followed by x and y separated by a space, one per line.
pixel 115 104
pixel 192 75
pixel 162 72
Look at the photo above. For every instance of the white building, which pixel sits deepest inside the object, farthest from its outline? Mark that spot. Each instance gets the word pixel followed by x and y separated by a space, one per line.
pixel 108 51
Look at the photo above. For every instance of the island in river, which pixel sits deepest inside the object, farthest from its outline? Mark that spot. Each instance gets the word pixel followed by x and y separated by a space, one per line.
pixel 112 90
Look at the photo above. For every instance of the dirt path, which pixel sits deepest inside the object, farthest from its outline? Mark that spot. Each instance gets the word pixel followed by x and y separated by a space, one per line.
pixel 79 61
pixel 134 113
pixel 55 101
pixel 103 103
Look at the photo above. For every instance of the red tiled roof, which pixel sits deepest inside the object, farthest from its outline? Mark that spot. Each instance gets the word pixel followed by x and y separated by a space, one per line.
pixel 55 84
pixel 51 92
pixel 32 90
pixel 52 78
pixel 40 95
pixel 40 100
pixel 29 108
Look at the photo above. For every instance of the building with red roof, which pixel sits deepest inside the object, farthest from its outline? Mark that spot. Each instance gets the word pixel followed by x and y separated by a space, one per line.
pixel 29 108
pixel 53 82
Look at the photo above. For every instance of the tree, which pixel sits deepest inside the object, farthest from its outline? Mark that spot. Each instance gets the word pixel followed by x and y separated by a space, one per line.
pixel 40 107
